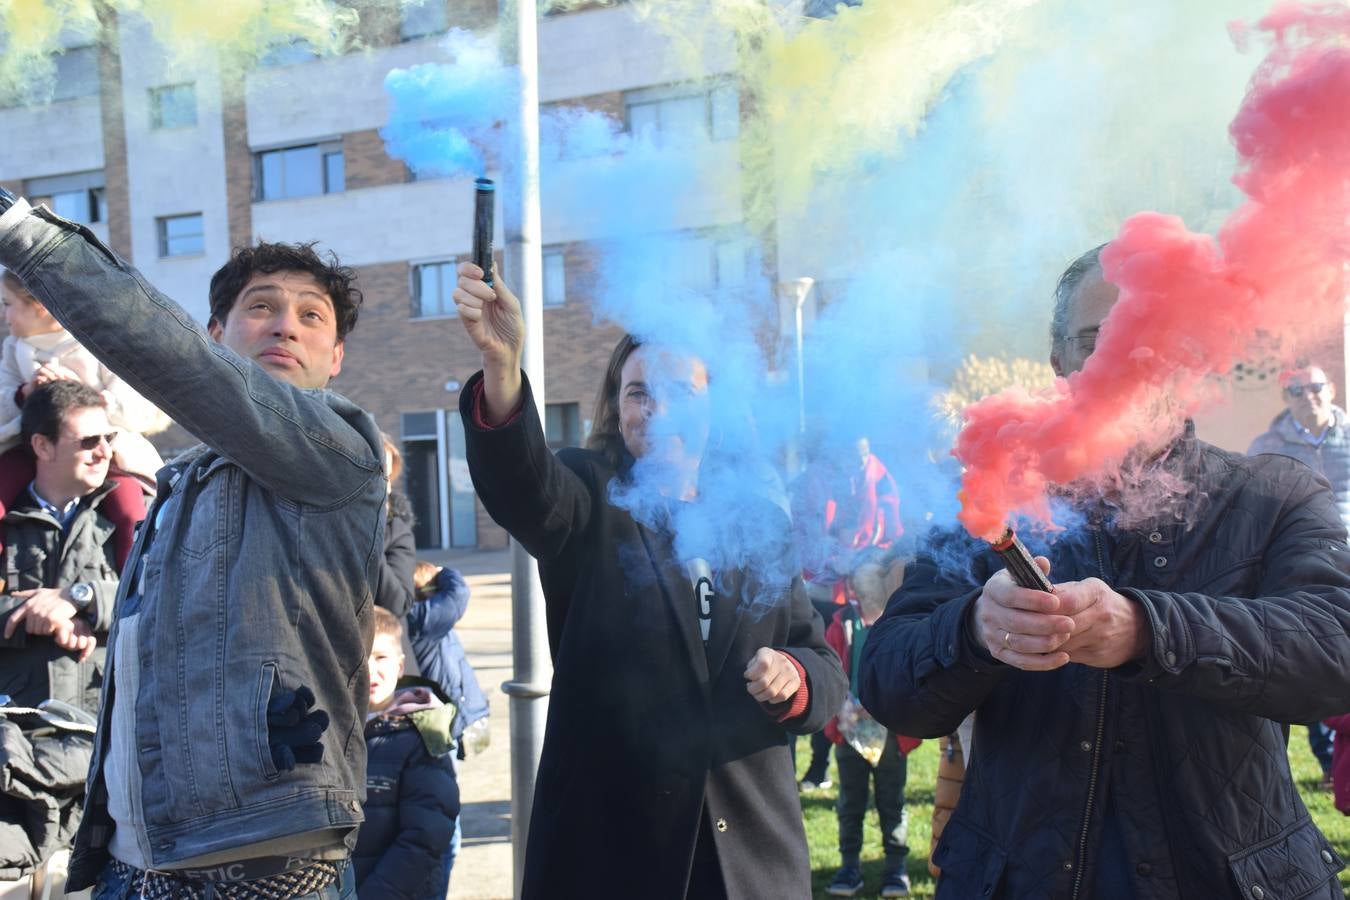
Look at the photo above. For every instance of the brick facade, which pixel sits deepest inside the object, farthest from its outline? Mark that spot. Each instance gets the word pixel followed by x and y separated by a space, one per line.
pixel 431 352
pixel 117 187
pixel 366 164
pixel 378 23
pixel 238 170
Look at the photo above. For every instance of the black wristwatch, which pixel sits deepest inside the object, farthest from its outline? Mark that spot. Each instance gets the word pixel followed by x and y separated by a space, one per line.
pixel 81 595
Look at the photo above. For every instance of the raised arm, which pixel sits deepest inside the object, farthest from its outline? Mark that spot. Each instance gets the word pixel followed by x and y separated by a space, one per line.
pixel 291 440
pixel 523 486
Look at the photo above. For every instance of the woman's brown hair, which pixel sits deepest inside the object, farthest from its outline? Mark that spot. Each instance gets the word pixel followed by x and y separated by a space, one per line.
pixel 605 437
pixel 395 458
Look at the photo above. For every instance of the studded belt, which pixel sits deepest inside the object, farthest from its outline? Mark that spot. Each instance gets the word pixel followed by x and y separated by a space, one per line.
pixel 298 882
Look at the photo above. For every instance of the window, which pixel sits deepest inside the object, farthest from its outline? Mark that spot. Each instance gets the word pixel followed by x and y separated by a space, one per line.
pixel 704 263
pixel 424 18
pixel 555 278
pixel 671 117
pixel 76 73
pixel 173 106
pixel 181 235
pixel 79 197
pixel 433 283
pixel 299 171
pixel 422 475
pixel 296 51
pixel 334 172
pixel 826 9
pixel 436 479
pixel 730 264
pixel 562 425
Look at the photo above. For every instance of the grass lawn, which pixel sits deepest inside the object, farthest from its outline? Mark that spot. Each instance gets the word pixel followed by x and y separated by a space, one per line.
pixel 822 832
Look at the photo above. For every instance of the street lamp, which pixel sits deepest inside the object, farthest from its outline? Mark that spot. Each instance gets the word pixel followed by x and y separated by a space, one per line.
pixel 802 286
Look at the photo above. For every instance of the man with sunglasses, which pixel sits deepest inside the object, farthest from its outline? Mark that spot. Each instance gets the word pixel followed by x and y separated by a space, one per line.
pixel 1312 429
pixel 59 564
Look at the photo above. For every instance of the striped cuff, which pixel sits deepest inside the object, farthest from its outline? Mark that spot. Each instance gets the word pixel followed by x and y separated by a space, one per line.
pixel 800 700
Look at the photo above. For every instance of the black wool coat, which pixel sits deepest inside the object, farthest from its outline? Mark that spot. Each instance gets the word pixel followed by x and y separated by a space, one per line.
pixel 646 728
pixel 1246 589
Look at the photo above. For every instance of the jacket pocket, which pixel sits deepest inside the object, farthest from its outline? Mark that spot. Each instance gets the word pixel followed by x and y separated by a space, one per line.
pixel 267 684
pixel 971 863
pixel 216 504
pixel 1290 865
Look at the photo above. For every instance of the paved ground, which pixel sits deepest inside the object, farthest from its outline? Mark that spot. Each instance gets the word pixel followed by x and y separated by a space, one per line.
pixel 483 870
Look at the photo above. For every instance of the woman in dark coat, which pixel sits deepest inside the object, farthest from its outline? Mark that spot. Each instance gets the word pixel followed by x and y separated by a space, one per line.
pixel 665 770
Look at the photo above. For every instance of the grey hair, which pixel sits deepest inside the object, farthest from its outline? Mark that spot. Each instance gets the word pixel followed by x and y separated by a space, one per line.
pixel 1073 276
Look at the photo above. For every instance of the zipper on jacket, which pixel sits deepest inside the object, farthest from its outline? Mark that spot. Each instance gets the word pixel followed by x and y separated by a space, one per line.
pixel 1092 788
pixel 1095 771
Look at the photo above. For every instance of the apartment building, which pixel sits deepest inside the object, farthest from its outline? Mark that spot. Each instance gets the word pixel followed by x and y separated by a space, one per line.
pixel 172 168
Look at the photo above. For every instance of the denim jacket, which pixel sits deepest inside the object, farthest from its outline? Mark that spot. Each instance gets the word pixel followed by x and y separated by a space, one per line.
pixel 259 576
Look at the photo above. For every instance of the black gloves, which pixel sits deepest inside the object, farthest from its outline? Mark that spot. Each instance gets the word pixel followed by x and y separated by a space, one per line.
pixel 292 730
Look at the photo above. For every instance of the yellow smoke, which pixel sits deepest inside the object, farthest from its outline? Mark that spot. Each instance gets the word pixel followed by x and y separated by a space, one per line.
pixel 825 94
pixel 33 32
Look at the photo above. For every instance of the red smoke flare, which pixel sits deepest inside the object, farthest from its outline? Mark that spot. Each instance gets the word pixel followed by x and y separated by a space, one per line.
pixel 1189 304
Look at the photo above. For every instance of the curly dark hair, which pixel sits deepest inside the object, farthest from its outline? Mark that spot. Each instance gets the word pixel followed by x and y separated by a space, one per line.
pixel 338 281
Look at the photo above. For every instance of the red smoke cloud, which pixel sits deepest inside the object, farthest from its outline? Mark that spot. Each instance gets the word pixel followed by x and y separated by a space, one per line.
pixel 1190 304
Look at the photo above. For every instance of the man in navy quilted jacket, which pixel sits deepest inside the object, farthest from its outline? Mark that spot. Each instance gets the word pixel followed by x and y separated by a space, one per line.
pixel 1131 727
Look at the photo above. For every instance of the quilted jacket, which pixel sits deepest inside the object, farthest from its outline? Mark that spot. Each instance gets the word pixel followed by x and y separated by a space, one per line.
pixel 1247 593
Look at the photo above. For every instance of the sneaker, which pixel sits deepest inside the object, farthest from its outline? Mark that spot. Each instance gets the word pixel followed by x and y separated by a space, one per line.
pixel 806 785
pixel 846 882
pixel 895 884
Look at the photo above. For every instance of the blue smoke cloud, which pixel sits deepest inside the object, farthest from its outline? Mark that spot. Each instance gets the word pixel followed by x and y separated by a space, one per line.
pixel 948 245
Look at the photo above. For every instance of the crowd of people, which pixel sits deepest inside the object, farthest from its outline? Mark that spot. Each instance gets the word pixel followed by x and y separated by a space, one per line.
pixel 265 689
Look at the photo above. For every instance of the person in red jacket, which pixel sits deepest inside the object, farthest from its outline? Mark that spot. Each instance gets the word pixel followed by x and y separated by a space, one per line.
pixel 1340 759
pixel 876 499
pixel 866 753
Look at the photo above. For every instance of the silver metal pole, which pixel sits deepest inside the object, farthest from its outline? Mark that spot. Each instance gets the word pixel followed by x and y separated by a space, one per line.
pixel 803 290
pixel 521 228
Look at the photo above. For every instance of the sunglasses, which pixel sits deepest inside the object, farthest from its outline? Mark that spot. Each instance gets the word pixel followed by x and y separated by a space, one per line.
pixel 1296 390
pixel 92 441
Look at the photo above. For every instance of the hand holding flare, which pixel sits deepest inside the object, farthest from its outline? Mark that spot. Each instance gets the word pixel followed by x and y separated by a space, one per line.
pixel 1024 620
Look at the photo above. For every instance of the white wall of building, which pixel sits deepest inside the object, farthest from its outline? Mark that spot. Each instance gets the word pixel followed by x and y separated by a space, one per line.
pixel 580 54
pixel 415 221
pixel 55 139
pixel 609 49
pixel 173 171
pixel 428 219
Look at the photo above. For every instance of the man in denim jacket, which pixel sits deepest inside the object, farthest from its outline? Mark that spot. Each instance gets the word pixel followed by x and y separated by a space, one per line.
pixel 230 745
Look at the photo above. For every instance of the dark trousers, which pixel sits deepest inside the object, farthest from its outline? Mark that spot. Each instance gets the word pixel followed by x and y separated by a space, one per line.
pixel 856 778
pixel 1319 742
pixel 820 756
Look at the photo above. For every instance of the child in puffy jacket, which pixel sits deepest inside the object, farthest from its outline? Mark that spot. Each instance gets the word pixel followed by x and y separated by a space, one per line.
pixel 441 599
pixel 38 351
pixel 412 797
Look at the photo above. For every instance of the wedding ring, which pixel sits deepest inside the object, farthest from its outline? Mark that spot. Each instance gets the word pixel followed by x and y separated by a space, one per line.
pixel 1006 645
